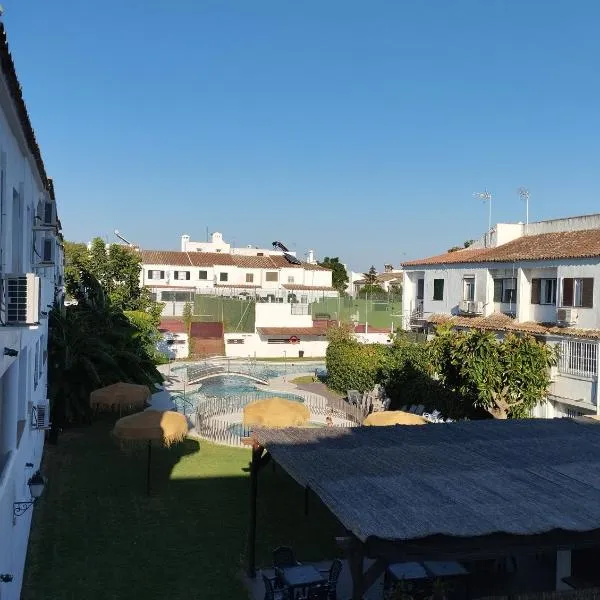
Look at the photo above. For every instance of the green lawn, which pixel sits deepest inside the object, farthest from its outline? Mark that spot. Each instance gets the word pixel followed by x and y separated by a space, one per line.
pixel 303 379
pixel 96 535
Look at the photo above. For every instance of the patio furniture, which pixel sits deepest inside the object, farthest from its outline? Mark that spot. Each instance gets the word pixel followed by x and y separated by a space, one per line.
pixel 273 591
pixel 332 574
pixel 283 556
pixel 302 577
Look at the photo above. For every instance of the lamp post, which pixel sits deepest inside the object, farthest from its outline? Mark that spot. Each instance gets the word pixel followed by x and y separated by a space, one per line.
pixel 486 196
pixel 36 487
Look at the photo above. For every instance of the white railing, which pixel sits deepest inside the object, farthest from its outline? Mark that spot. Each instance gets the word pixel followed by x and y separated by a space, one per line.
pixel 578 358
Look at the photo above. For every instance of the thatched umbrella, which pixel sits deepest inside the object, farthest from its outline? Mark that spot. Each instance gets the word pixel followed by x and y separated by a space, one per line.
pixel 394 417
pixel 121 395
pixel 166 428
pixel 276 412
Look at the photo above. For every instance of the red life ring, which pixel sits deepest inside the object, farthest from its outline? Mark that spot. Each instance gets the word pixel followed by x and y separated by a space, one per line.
pixel 293 340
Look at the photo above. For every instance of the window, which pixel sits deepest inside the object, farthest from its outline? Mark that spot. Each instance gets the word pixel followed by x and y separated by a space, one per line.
pixel 505 290
pixel 260 254
pixel 438 289
pixel 578 358
pixel 182 275
pixel 235 341
pixel 249 277
pixel 203 275
pixel 578 292
pixel 223 276
pixel 271 276
pixel 36 366
pixel 290 279
pixel 469 289
pixel 17 232
pixel 420 289
pixel 156 274
pixel 543 291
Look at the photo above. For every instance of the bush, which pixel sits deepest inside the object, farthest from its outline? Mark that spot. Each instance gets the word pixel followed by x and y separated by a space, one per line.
pixel 353 366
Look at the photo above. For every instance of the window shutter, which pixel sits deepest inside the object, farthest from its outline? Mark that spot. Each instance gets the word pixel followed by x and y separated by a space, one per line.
pixel 187 275
pixel 162 274
pixel 587 293
pixel 536 289
pixel 498 290
pixel 567 292
pixel 150 274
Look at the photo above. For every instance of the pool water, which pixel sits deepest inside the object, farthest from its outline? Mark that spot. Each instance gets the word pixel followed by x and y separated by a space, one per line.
pixel 227 386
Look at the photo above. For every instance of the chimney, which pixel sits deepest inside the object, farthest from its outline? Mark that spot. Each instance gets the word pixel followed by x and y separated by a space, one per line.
pixel 310 259
pixel 184 242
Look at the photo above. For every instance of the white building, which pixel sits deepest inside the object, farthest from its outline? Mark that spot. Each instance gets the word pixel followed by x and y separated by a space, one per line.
pixel 289 331
pixel 543 279
pixel 219 245
pixel 175 277
pixel 390 278
pixel 32 277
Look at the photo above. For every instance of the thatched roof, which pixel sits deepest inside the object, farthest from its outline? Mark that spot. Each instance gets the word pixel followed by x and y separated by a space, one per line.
pixel 276 412
pixel 120 395
pixel 467 479
pixel 393 417
pixel 166 427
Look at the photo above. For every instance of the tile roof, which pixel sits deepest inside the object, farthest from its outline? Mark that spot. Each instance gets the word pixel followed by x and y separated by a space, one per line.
pixel 236 286
pixel 501 322
pixel 14 88
pixel 172 326
pixel 298 286
pixel 545 246
pixel 213 259
pixel 320 331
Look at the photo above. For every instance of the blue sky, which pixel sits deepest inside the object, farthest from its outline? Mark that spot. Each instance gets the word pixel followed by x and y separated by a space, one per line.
pixel 360 129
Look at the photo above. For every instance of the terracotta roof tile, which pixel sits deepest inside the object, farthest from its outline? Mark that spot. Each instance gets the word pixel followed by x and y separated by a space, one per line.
pixel 501 322
pixel 298 286
pixel 253 262
pixel 545 246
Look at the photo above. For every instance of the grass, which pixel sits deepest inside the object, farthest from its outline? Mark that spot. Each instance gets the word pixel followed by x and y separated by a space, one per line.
pixel 303 379
pixel 292 359
pixel 96 535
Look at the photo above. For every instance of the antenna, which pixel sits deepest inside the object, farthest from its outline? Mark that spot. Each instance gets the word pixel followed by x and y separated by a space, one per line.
pixel 524 195
pixel 486 196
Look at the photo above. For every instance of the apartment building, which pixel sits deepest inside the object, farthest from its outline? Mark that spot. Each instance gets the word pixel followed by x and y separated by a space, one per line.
pixel 31 264
pixel 175 277
pixel 542 278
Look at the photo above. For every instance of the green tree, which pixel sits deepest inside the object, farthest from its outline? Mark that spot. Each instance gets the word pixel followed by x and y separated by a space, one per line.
pixel 188 314
pixel 92 344
pixel 468 243
pixel 339 276
pixel 117 269
pixel 371 276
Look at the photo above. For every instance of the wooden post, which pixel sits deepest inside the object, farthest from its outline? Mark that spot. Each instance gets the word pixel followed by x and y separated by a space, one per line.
pixel 356 560
pixel 254 466
pixel 306 492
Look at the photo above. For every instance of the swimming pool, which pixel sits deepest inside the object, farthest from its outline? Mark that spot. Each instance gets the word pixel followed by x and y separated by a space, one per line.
pixel 227 386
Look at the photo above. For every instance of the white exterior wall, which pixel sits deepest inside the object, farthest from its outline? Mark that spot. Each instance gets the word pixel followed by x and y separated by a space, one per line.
pixel 373 338
pixel 272 314
pixel 587 318
pixel 23 379
pixel 256 346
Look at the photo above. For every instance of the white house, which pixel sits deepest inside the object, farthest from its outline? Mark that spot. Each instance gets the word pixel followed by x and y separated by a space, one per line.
pixel 542 278
pixel 175 277
pixel 32 278
pixel 390 278
pixel 218 245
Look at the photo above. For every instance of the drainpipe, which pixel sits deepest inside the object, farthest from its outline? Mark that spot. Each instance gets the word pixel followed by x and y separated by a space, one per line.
pixel 597 378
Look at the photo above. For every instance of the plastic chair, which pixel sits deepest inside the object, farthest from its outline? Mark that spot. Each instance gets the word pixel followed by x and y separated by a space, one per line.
pixel 275 592
pixel 333 574
pixel 283 556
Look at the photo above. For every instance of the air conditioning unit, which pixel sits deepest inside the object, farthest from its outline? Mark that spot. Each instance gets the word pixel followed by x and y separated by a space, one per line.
pixel 566 317
pixel 40 415
pixel 471 307
pixel 22 299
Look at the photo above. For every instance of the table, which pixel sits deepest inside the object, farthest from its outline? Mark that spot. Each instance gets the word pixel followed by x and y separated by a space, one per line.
pixel 302 576
pixel 444 569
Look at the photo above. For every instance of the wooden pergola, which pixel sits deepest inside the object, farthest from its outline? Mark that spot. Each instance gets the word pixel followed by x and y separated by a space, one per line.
pixel 459 491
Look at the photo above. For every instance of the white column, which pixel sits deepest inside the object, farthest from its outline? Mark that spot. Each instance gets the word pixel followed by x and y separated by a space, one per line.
pixel 563 568
pixel 10 403
pixel 523 297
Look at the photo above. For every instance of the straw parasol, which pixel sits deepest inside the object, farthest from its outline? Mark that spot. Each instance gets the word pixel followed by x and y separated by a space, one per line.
pixel 394 417
pixel 276 412
pixel 121 395
pixel 166 428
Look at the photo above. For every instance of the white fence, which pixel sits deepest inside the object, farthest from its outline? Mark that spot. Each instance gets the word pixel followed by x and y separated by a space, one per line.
pixel 578 358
